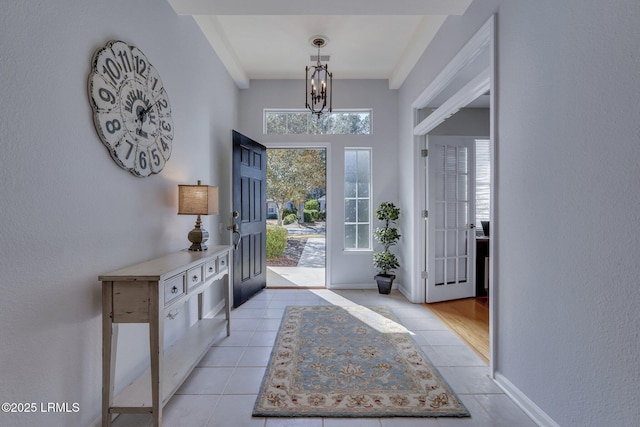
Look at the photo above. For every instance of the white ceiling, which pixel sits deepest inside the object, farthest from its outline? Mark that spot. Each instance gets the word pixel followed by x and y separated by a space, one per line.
pixel 368 39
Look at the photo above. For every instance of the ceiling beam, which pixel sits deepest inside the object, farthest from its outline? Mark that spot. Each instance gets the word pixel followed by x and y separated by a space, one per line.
pixel 325 7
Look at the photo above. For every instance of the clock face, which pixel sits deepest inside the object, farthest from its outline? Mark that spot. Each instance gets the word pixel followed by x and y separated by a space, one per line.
pixel 131 110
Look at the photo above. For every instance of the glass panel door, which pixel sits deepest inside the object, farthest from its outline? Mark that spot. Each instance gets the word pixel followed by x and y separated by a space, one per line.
pixel 451 233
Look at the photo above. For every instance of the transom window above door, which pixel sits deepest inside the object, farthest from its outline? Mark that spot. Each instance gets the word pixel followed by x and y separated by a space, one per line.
pixel 302 122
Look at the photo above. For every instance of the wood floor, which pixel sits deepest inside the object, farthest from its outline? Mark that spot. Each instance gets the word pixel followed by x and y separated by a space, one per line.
pixel 468 319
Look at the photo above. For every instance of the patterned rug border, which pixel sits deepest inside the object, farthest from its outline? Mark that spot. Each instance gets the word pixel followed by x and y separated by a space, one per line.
pixel 461 412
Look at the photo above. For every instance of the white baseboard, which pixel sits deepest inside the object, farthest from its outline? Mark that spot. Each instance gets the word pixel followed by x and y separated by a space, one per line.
pixel 405 291
pixel 351 286
pixel 215 310
pixel 531 409
pixel 371 286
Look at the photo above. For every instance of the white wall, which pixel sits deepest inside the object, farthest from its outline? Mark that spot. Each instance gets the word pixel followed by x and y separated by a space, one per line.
pixel 568 199
pixel 348 269
pixel 69 213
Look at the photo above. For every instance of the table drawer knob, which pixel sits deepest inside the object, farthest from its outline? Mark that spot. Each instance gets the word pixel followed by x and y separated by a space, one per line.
pixel 194 279
pixel 174 290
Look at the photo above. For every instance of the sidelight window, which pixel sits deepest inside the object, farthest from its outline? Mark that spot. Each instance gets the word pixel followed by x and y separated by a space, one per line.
pixel 357 199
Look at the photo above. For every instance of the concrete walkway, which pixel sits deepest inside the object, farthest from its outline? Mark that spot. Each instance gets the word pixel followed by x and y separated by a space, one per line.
pixel 310 271
pixel 313 254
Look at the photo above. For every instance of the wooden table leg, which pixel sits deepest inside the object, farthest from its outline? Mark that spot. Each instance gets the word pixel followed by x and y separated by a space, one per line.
pixel 155 348
pixel 227 305
pixel 109 343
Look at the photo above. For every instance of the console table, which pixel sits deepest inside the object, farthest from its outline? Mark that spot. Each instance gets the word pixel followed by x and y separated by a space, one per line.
pixel 147 293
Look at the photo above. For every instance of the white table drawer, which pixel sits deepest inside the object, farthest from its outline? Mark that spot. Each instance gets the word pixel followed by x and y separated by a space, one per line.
pixel 174 288
pixel 194 277
pixel 211 268
pixel 223 263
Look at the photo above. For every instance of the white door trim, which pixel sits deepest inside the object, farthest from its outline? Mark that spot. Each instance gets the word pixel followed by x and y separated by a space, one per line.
pixel 483 42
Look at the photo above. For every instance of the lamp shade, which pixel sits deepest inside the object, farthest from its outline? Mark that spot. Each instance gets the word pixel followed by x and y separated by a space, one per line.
pixel 197 199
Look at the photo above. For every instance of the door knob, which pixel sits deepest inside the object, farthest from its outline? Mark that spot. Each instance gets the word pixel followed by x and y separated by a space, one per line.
pixel 237 234
pixel 236 230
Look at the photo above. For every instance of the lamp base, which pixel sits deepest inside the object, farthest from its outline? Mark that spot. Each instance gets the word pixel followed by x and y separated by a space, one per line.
pixel 198 236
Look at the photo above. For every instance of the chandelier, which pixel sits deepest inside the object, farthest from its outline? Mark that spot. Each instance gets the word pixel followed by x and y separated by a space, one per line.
pixel 318 82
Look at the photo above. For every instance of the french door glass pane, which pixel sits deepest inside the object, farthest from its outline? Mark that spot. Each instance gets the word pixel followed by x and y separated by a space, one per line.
pixel 439 217
pixel 439 272
pixel 462 160
pixel 462 187
pixel 439 244
pixel 451 243
pixel 462 244
pixel 451 271
pixel 451 215
pixel 451 190
pixel 451 160
pixel 463 208
pixel 462 270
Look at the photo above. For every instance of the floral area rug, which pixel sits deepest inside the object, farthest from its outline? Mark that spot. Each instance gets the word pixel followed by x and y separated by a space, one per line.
pixel 351 361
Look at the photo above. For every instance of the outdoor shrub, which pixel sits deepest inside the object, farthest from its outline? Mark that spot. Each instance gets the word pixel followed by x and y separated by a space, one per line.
pixel 321 216
pixel 310 215
pixel 290 219
pixel 276 241
pixel 312 205
pixel 286 211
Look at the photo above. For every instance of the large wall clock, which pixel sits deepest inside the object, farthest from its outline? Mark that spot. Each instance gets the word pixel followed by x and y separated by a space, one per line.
pixel 131 110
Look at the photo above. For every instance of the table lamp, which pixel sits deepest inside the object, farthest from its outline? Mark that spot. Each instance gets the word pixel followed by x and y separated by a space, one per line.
pixel 197 200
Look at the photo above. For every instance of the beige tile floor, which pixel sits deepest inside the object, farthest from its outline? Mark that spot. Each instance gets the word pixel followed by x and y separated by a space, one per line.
pixel 222 389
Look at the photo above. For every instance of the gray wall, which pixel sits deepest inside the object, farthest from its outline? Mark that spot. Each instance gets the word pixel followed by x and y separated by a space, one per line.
pixel 568 149
pixel 466 122
pixel 69 213
pixel 347 269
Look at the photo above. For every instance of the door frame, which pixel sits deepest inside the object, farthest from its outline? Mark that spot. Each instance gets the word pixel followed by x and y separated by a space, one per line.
pixel 482 43
pixel 330 217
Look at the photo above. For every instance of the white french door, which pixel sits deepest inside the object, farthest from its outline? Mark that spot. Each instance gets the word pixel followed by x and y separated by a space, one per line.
pixel 451 231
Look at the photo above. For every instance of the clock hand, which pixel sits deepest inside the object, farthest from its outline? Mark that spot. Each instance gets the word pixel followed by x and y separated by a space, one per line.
pixel 146 110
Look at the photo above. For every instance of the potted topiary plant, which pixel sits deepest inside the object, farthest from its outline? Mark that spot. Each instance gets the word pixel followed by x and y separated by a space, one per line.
pixel 387 236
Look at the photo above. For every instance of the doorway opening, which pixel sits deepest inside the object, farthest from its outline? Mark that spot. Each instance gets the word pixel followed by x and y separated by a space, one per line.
pixel 469 78
pixel 296 217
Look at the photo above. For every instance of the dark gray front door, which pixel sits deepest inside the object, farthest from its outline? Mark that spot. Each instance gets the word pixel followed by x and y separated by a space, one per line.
pixel 249 200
